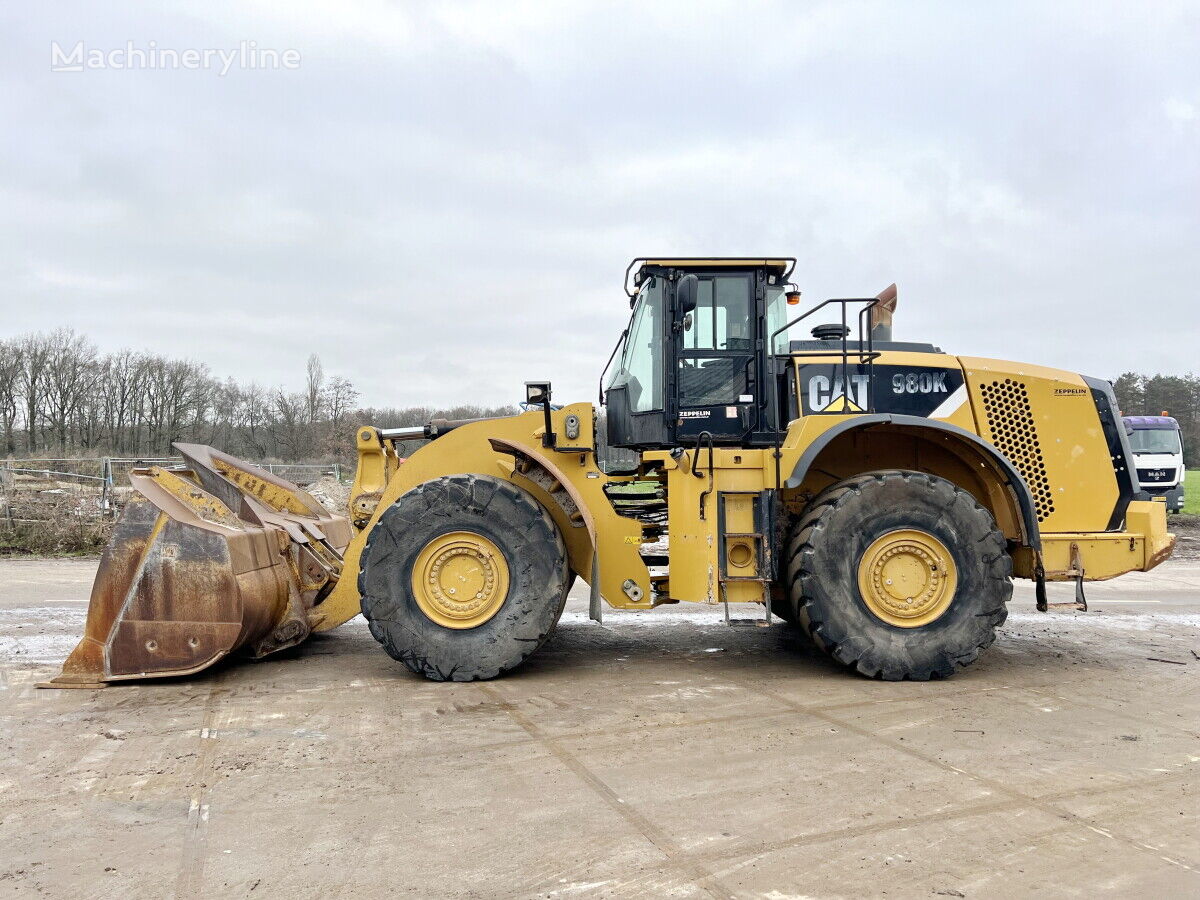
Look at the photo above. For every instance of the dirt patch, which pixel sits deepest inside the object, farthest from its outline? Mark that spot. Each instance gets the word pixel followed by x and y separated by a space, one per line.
pixel 1067 753
pixel 1187 536
pixel 334 495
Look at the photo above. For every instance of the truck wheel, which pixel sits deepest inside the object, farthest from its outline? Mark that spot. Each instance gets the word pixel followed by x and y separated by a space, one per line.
pixel 899 575
pixel 463 578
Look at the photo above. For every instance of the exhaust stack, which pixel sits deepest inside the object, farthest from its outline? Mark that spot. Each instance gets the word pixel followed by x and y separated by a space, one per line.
pixel 880 317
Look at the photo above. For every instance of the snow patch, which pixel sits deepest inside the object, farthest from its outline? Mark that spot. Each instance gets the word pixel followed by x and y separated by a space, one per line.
pixel 36 648
pixel 1138 622
pixel 650 617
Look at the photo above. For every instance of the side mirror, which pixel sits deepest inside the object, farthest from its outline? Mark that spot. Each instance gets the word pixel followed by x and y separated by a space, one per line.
pixel 537 393
pixel 685 294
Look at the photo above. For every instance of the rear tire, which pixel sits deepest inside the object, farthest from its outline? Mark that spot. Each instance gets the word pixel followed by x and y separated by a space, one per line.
pixel 858 528
pixel 529 580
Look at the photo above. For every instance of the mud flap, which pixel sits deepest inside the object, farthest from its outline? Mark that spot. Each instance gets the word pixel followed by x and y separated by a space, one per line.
pixel 595 603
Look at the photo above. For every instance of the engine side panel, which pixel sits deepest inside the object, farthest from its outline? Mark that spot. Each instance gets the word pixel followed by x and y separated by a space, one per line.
pixel 1046 422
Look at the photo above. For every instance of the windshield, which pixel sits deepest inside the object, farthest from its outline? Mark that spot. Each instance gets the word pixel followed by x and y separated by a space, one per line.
pixel 641 362
pixel 1154 440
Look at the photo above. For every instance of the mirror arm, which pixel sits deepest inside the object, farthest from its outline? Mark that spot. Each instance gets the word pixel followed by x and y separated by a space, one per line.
pixel 621 340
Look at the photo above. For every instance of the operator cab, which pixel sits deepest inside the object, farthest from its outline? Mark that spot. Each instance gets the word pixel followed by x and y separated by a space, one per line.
pixel 692 361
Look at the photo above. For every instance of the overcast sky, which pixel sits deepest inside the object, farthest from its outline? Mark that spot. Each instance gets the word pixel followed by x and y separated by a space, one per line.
pixel 442 198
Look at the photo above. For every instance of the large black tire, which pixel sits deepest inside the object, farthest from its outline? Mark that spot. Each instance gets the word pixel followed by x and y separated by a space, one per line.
pixel 538 574
pixel 829 541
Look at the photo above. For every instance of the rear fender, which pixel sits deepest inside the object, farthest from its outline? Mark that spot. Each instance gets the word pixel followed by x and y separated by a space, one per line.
pixel 1014 499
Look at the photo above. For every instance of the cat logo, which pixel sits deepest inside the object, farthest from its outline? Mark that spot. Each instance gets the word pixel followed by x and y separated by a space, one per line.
pixel 828 395
pixel 926 391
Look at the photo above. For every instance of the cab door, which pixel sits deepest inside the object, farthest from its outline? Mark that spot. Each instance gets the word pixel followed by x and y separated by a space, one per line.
pixel 716 360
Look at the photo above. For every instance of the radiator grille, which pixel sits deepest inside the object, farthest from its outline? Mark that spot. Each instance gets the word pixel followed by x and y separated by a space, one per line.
pixel 1156 476
pixel 1011 428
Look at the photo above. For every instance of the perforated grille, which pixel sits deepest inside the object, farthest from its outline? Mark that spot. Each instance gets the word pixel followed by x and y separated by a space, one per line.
pixel 1011 427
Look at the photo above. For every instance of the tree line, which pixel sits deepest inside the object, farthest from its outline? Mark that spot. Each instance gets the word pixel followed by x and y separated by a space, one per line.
pixel 1172 395
pixel 60 396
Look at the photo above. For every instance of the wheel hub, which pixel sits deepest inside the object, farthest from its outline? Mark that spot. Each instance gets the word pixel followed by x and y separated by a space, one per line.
pixel 460 579
pixel 907 578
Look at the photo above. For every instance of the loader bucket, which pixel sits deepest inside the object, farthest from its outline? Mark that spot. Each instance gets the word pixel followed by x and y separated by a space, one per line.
pixel 207 560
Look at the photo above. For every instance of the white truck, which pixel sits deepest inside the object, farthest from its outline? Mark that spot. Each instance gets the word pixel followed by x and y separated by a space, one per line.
pixel 1158 457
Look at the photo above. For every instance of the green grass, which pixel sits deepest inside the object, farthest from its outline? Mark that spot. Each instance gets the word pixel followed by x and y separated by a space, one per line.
pixel 631 488
pixel 1191 493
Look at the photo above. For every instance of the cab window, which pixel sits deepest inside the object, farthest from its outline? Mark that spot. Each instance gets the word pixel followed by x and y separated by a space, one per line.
pixel 777 317
pixel 641 369
pixel 717 351
pixel 721 319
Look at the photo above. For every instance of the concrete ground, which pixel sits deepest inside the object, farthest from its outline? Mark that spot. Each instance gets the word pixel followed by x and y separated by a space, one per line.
pixel 662 754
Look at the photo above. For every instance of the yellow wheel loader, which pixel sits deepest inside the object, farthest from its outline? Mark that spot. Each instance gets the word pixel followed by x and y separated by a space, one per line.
pixel 879 495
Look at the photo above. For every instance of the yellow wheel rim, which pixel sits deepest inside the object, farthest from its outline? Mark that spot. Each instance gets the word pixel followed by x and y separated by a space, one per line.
pixel 907 578
pixel 460 579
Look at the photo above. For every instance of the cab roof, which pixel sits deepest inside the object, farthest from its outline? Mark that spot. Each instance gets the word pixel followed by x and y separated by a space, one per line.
pixel 1152 423
pixel 780 266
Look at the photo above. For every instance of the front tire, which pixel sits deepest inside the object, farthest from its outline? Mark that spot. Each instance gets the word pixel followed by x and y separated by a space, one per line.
pixel 463 578
pixel 899 574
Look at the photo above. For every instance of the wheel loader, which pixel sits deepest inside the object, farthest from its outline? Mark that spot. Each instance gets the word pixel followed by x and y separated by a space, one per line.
pixel 877 495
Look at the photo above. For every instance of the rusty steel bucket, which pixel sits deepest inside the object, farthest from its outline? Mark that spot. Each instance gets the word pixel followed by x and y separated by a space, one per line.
pixel 213 558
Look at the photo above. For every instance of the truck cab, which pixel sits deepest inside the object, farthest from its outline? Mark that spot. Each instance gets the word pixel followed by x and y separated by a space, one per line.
pixel 1158 455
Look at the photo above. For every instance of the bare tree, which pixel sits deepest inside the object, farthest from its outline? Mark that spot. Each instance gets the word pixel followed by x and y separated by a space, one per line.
pixel 254 415
pixel 11 366
pixel 289 417
pixel 69 376
pixel 122 383
pixel 339 397
pixel 314 394
pixel 35 351
pixel 58 392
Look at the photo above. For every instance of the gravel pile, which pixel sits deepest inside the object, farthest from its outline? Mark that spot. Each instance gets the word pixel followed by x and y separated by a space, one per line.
pixel 332 494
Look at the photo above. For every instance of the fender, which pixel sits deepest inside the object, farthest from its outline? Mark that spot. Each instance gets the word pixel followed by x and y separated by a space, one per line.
pixel 574 507
pixel 1033 537
pixel 577 512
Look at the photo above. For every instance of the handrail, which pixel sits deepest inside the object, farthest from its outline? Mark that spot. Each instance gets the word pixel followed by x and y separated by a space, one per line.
pixel 866 356
pixel 711 466
pixel 870 301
